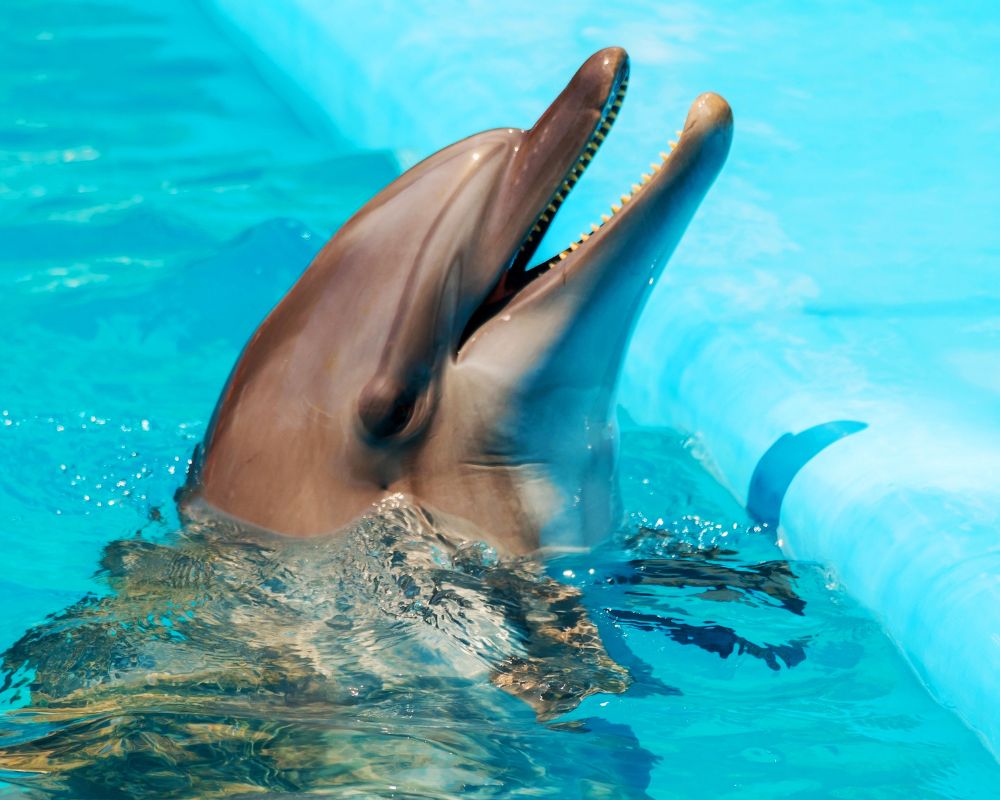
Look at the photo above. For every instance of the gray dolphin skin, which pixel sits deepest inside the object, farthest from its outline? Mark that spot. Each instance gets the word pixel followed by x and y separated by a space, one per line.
pixel 421 354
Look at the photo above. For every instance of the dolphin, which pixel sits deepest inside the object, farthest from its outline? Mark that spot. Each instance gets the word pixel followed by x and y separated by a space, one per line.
pixel 423 354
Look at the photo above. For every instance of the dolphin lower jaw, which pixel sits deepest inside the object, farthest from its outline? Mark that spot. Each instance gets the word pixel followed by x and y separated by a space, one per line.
pixel 521 475
pixel 524 458
pixel 551 357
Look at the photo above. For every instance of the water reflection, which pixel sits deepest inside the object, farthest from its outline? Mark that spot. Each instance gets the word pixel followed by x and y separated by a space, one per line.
pixel 223 663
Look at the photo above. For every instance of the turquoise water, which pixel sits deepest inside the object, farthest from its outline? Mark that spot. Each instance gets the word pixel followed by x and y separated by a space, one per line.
pixel 155 200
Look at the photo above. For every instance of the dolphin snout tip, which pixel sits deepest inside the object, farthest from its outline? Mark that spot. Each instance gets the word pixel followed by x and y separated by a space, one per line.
pixel 613 58
pixel 604 72
pixel 708 130
pixel 710 111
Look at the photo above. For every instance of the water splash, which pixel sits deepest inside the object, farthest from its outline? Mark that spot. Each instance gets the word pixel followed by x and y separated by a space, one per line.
pixel 223 659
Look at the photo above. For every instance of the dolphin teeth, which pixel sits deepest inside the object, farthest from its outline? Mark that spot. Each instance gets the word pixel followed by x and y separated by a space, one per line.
pixel 664 156
pixel 646 177
pixel 672 144
pixel 655 167
pixel 583 161
pixel 679 134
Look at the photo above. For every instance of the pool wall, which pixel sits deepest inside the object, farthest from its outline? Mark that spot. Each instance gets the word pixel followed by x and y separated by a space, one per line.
pixel 830 327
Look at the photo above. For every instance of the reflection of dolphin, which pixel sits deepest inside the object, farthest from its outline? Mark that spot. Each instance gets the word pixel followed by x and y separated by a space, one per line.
pixel 229 662
pixel 420 354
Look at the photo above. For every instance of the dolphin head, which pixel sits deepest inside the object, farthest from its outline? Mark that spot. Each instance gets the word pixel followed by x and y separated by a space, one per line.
pixel 421 353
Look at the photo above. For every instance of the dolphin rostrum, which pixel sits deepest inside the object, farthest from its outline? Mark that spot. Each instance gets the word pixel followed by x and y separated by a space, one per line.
pixel 421 354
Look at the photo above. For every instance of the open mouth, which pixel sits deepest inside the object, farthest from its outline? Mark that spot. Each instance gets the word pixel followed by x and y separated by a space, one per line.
pixel 519 275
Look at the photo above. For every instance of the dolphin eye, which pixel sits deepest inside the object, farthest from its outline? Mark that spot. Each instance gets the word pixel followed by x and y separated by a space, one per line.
pixel 402 413
pixel 386 409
